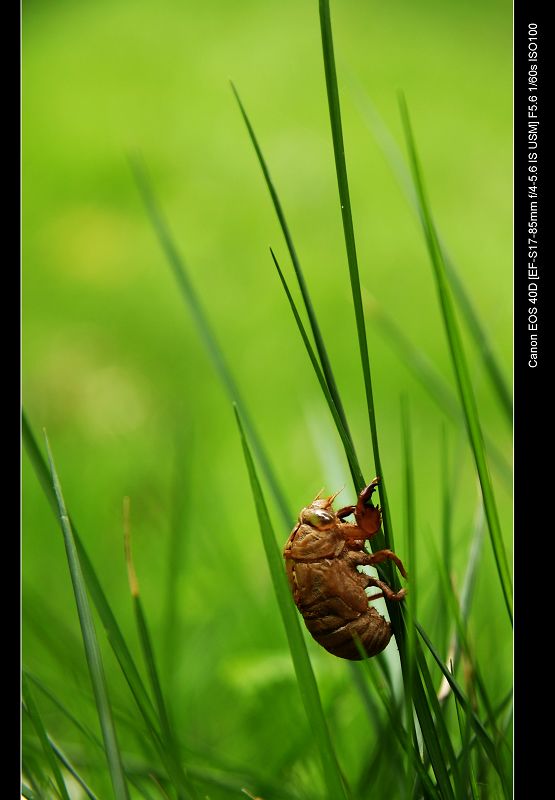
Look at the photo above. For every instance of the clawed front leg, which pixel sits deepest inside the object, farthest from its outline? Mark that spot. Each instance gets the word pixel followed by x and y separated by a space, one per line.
pixel 367 560
pixel 368 517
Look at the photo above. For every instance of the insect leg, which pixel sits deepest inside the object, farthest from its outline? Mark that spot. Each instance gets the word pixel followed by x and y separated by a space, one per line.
pixel 368 516
pixel 345 511
pixel 386 592
pixel 384 555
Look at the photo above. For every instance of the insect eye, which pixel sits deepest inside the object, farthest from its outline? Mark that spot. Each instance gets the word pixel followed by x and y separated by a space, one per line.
pixel 316 517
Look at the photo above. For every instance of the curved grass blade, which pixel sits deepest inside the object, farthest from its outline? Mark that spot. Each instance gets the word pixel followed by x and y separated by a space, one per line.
pixel 460 366
pixel 168 739
pixel 113 631
pixel 92 649
pixel 71 769
pixel 481 338
pixel 64 710
pixel 428 376
pixel 115 637
pixel 200 319
pixel 483 736
pixel 467 593
pixel 35 717
pixel 343 433
pixel 335 784
pixel 403 738
pixel 318 340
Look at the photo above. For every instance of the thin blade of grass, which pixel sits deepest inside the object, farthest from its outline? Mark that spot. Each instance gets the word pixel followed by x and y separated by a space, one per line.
pixel 411 604
pixel 61 707
pixel 92 649
pixel 115 637
pixel 466 393
pixel 441 726
pixel 335 784
pixel 400 731
pixel 423 712
pixel 71 769
pixel 483 736
pixel 27 793
pixel 348 230
pixel 36 719
pixel 113 631
pixel 467 773
pixel 343 433
pixel 432 381
pixel 204 329
pixel 350 453
pixel 318 340
pixel 177 539
pixel 168 740
pixel 467 593
pixel 479 334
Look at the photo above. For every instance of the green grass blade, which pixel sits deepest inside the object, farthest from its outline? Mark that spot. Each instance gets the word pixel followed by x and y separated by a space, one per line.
pixel 400 732
pixel 336 786
pixel 460 366
pixel 320 347
pixel 36 719
pixel 71 769
pixel 113 631
pixel 467 593
pixel 92 649
pixel 427 375
pixel 411 603
pixel 343 433
pixel 178 538
pixel 200 319
pixel 443 736
pixel 467 773
pixel 422 709
pixel 483 736
pixel 348 230
pixel 27 793
pixel 64 710
pixel 168 740
pixel 479 334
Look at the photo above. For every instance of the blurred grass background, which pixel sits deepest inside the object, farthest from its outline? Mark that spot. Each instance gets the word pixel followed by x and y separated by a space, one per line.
pixel 113 366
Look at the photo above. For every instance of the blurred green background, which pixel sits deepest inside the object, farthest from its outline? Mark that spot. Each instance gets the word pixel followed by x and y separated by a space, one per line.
pixel 113 366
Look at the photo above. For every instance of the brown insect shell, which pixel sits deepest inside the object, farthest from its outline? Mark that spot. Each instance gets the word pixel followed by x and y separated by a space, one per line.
pixel 329 591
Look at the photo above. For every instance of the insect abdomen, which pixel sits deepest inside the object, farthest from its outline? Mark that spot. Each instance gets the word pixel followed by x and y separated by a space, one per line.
pixel 370 627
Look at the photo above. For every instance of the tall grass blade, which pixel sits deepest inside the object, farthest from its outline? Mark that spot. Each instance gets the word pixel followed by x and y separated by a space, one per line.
pixel 348 230
pixel 335 784
pixel 460 366
pixel 400 731
pixel 113 631
pixel 206 334
pixel 36 719
pixel 177 539
pixel 467 593
pixel 320 347
pixel 432 381
pixel 352 459
pixel 423 712
pixel 92 649
pixel 168 740
pixel 64 710
pixel 483 736
pixel 411 603
pixel 479 334
pixel 71 769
